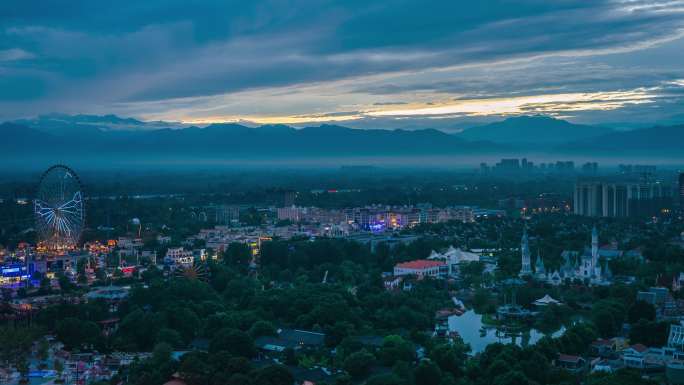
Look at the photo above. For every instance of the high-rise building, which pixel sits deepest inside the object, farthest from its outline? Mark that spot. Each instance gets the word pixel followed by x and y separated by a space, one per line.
pixel 289 197
pixel 590 168
pixel 508 166
pixel 621 198
pixel 226 215
pixel 565 166
pixel 527 165
pixel 484 169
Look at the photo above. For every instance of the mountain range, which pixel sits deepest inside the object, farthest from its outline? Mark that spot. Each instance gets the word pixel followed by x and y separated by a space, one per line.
pixel 111 138
pixel 533 130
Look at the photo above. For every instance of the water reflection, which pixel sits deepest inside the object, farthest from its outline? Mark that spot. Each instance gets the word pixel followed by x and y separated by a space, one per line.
pixel 469 326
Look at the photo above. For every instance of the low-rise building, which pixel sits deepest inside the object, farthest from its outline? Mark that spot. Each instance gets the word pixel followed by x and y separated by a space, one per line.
pixel 180 256
pixel 422 268
pixel 570 362
pixel 290 338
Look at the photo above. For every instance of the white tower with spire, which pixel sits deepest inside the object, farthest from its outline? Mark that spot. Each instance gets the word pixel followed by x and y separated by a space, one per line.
pixel 539 269
pixel 526 269
pixel 596 267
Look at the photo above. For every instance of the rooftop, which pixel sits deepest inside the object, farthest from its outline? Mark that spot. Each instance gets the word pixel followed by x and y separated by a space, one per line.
pixel 569 358
pixel 420 264
pixel 639 348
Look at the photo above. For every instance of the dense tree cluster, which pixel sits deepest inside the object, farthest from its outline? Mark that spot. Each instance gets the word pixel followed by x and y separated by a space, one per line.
pixel 231 309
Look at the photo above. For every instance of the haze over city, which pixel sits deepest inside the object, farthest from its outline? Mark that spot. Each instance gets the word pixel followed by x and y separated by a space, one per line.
pixel 297 192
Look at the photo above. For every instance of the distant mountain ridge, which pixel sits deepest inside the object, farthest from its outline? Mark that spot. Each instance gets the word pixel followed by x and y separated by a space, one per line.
pixel 229 141
pixel 533 130
pixel 658 140
pixel 106 138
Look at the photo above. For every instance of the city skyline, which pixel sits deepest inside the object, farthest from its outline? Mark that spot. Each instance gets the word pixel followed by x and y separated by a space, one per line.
pixel 361 65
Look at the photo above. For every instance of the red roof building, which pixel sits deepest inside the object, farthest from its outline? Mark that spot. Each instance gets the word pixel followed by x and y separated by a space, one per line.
pixel 570 362
pixel 421 268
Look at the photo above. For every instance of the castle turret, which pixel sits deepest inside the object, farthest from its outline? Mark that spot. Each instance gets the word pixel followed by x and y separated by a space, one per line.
pixel 594 242
pixel 526 269
pixel 595 266
pixel 539 269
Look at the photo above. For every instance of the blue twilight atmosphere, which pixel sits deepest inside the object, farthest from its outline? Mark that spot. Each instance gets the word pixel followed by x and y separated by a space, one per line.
pixel 341 192
pixel 393 64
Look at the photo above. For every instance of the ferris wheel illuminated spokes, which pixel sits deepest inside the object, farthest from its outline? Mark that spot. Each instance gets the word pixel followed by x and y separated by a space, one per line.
pixel 61 219
pixel 58 208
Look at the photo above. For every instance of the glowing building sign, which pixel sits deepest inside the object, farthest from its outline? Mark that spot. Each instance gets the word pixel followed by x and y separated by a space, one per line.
pixel 13 271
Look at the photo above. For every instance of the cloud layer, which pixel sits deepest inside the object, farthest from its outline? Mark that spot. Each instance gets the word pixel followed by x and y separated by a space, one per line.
pixel 366 62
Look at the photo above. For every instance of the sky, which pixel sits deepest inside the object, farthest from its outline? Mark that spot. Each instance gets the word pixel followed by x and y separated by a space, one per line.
pixel 367 64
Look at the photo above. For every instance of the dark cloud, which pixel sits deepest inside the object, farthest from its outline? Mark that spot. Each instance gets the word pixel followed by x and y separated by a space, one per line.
pixel 94 55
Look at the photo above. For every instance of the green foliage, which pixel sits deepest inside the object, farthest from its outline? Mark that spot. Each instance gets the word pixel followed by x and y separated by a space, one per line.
pixel 358 364
pixel 575 340
pixel 138 330
pixel 337 332
pixel 234 341
pixel 471 273
pixel 621 377
pixel 552 317
pixel 427 373
pixel 237 254
pixel 608 316
pixel 169 336
pixel 195 369
pixel 16 343
pixel 232 309
pixel 649 333
pixel 395 348
pixel 273 375
pixel 74 333
pixel 155 370
pixel 641 310
pixel 262 328
pixel 385 379
pixel 450 357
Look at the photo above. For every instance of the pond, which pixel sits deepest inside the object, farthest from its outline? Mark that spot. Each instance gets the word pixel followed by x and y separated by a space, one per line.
pixel 469 325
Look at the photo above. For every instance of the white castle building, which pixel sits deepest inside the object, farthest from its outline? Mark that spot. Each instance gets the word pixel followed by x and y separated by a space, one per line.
pixel 454 257
pixel 585 267
pixel 526 266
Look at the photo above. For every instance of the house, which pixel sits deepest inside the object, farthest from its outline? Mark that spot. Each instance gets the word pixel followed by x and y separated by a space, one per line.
pixel 570 362
pixel 676 337
pixel 635 356
pixel 290 338
pixel 603 347
pixel 392 283
pixel 311 376
pixel 421 268
pixel 647 296
pixel 601 365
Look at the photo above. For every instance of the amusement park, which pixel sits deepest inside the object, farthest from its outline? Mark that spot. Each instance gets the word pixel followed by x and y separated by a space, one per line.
pixel 58 219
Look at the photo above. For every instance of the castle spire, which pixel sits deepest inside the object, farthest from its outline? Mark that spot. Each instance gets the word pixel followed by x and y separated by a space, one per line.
pixel 540 269
pixel 595 266
pixel 526 264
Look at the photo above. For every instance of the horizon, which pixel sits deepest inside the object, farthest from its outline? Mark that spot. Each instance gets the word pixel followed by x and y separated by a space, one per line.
pixel 132 123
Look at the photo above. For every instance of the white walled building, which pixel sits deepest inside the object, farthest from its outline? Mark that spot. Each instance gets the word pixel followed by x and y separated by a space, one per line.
pixel 421 268
pixel 180 256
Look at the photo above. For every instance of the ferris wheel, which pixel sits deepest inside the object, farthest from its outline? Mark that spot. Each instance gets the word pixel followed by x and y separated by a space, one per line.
pixel 58 208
